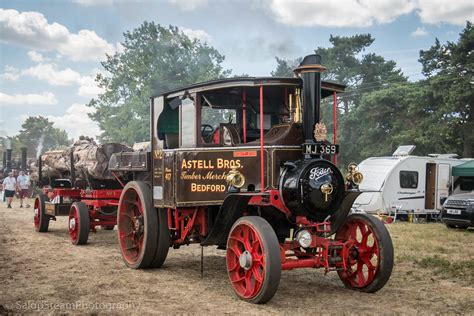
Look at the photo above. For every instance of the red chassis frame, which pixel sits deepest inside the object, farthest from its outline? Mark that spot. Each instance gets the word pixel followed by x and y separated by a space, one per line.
pixel 94 199
pixel 186 223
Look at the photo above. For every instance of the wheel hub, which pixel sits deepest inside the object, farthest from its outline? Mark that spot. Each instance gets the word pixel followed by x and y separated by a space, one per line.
pixel 36 212
pixel 138 225
pixel 245 260
pixel 72 223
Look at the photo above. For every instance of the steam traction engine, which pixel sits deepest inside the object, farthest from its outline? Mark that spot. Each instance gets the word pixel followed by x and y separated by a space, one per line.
pixel 244 164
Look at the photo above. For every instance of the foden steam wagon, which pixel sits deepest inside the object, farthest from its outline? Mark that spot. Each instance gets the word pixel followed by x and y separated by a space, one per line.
pixel 244 164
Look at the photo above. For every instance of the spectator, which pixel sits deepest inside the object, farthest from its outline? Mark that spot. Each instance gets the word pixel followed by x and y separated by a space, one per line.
pixel 9 186
pixel 23 183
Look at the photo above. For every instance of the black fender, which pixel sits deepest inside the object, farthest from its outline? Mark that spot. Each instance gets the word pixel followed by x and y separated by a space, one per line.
pixel 338 218
pixel 231 209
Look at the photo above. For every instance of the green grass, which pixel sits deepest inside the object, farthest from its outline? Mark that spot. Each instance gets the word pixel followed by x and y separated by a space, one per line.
pixel 448 253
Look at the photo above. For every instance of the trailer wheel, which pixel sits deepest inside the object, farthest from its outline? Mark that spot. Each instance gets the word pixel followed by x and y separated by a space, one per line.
pixel 253 259
pixel 371 257
pixel 79 223
pixel 41 219
pixel 137 225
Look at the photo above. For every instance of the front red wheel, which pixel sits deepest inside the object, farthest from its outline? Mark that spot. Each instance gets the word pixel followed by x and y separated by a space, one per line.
pixel 370 257
pixel 79 223
pixel 253 259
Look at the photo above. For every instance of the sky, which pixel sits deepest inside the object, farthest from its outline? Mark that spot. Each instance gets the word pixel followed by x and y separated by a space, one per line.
pixel 50 51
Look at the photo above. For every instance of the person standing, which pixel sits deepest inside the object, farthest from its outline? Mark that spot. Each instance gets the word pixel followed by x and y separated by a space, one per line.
pixel 23 183
pixel 9 186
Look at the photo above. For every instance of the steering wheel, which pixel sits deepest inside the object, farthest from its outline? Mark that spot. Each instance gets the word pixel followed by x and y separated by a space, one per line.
pixel 207 129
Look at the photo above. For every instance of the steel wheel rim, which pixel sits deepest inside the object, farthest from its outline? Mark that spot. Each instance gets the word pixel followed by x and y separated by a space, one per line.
pixel 73 230
pixel 37 213
pixel 244 241
pixel 131 227
pixel 364 256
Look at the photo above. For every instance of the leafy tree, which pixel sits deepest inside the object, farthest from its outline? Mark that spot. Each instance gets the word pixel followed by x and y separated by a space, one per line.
pixel 39 135
pixel 449 69
pixel 155 59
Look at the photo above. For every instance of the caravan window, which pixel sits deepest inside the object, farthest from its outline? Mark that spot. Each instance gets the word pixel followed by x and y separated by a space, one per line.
pixel 408 179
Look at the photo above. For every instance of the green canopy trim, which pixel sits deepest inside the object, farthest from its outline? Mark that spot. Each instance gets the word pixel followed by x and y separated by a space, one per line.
pixel 464 170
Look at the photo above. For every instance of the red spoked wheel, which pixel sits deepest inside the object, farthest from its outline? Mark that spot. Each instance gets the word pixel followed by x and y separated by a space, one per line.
pixel 143 233
pixel 41 219
pixel 371 257
pixel 253 259
pixel 79 223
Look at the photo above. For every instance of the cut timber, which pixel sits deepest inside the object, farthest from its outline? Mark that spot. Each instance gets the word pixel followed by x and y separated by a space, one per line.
pixel 90 161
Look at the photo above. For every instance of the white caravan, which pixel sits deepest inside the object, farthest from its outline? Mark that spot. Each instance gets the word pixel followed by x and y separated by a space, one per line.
pixel 403 183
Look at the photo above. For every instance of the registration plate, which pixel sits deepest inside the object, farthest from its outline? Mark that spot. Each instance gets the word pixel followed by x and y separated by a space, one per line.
pixel 320 149
pixel 453 212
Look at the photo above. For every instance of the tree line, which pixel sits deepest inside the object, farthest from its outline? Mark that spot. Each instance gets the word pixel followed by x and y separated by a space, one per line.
pixel 380 110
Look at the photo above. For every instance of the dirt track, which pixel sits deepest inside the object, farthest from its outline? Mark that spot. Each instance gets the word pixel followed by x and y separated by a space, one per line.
pixel 46 272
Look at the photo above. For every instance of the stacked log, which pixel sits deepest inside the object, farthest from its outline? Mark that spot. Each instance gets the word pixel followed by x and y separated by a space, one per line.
pixel 90 160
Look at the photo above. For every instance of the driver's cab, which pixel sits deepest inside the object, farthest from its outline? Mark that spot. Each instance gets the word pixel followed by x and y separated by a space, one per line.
pixel 227 113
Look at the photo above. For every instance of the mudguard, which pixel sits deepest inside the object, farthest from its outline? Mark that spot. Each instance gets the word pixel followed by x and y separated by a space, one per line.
pixel 231 209
pixel 340 216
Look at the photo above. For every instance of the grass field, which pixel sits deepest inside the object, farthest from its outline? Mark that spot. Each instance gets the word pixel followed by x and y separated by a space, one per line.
pixel 433 274
pixel 446 253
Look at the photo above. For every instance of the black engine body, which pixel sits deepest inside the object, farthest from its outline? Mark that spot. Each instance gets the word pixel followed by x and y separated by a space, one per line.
pixel 301 183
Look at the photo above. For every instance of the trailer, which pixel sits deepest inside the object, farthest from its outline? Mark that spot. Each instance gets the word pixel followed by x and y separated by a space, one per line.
pixel 89 203
pixel 86 209
pixel 406 184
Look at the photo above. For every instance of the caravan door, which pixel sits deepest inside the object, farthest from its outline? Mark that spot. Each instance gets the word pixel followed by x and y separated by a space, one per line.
pixel 442 184
pixel 430 186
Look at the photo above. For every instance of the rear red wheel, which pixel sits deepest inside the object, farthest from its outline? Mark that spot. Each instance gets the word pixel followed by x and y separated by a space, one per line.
pixel 41 220
pixel 371 257
pixel 79 223
pixel 253 259
pixel 137 227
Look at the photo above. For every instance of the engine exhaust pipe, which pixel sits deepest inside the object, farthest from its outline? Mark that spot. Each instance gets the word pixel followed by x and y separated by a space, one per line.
pixel 9 160
pixel 309 71
pixel 23 159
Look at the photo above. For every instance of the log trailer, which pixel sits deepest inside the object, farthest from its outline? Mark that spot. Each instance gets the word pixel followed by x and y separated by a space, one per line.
pixel 244 164
pixel 88 204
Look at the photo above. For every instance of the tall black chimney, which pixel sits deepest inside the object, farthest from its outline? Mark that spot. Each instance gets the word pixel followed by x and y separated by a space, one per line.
pixel 310 73
pixel 23 159
pixel 9 160
pixel 4 160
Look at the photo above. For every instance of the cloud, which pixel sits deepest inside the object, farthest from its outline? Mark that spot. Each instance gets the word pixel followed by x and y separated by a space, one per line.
pixel 45 98
pixel 11 73
pixel 93 3
pixel 32 30
pixel 76 121
pixel 35 56
pixel 201 35
pixel 365 13
pixel 49 73
pixel 419 32
pixel 189 5
pixel 453 12
pixel 343 13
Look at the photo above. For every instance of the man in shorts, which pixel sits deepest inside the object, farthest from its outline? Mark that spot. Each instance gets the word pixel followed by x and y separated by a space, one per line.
pixel 9 186
pixel 23 183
